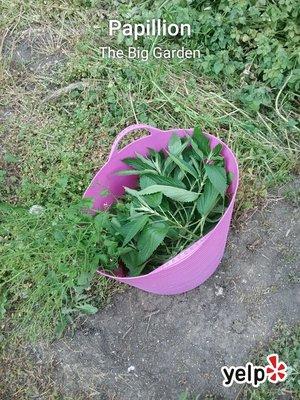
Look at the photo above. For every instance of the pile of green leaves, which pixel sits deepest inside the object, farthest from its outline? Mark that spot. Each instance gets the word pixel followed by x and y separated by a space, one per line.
pixel 181 196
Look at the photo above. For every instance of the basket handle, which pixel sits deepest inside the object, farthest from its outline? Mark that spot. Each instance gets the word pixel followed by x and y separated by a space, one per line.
pixel 126 131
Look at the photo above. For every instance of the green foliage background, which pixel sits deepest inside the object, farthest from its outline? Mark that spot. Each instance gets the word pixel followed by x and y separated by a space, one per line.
pixel 254 44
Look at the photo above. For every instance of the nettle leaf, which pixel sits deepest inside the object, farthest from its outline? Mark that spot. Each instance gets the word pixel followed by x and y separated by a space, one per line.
pixel 208 199
pixel 169 166
pixel 136 163
pixel 217 176
pixel 154 199
pixel 151 237
pixel 201 140
pixel 156 156
pixel 145 160
pixel 217 150
pixel 132 262
pixel 115 222
pixel 173 193
pixel 130 229
pixel 175 145
pixel 133 192
pixel 146 181
pixel 184 166
pixel 166 180
pixel 199 154
pixel 196 165
pixel 165 204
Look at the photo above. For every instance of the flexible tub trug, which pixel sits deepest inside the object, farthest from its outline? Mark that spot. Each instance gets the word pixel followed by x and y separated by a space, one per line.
pixel 197 262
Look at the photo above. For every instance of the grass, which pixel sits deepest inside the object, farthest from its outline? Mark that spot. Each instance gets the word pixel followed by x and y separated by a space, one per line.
pixel 48 262
pixel 59 121
pixel 287 346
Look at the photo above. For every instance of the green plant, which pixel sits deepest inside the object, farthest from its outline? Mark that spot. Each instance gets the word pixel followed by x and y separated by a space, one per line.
pixel 287 346
pixel 181 196
pixel 253 44
pixel 48 262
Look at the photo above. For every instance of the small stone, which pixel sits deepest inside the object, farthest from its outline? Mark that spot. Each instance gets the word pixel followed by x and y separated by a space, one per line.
pixel 36 210
pixel 219 291
pixel 131 368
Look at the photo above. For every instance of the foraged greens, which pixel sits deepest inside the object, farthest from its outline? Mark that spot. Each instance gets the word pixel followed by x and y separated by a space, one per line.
pixel 180 196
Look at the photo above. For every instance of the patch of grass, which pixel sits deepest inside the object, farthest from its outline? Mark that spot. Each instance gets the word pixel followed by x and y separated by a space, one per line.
pixel 24 376
pixel 287 346
pixel 48 269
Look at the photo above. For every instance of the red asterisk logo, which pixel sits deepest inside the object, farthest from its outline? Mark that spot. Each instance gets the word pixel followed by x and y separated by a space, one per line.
pixel 276 371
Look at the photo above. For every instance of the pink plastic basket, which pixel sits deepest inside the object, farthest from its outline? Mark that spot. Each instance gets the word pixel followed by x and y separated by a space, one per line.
pixel 198 262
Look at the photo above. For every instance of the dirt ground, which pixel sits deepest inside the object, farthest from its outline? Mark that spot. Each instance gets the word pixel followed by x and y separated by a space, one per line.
pixel 144 346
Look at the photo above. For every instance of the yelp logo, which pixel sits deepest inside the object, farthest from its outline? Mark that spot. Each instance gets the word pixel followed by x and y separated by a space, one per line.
pixel 275 371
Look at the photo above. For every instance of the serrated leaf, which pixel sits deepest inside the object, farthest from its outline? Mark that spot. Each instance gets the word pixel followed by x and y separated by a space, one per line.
pixel 130 229
pixel 183 165
pixel 133 192
pixel 146 181
pixel 196 165
pixel 166 180
pixel 176 194
pixel 136 163
pixel 84 279
pixel 154 199
pixel 151 237
pixel 217 176
pixel 198 153
pixel 145 160
pixel 175 145
pixel 157 157
pixel 217 150
pixel 133 263
pixel 201 141
pixel 208 199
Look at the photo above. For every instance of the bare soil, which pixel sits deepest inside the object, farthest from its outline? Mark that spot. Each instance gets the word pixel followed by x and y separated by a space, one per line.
pixel 144 346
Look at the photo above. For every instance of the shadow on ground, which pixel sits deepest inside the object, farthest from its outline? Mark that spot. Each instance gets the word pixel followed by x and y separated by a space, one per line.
pixel 144 346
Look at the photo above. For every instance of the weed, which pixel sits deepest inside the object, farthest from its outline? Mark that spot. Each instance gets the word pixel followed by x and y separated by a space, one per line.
pixel 287 346
pixel 49 260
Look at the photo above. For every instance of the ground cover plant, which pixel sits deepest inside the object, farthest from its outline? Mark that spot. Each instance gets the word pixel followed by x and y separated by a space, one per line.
pixel 180 196
pixel 287 345
pixel 255 43
pixel 61 105
pixel 61 247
